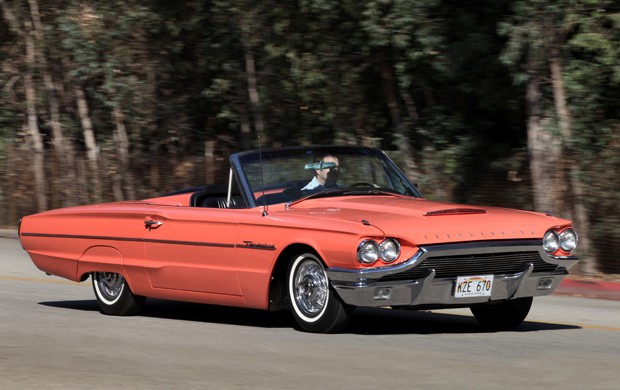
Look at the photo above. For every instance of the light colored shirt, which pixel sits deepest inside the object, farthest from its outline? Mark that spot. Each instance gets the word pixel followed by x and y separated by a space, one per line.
pixel 314 183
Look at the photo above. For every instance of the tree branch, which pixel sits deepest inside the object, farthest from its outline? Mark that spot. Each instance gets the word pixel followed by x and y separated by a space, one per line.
pixel 10 18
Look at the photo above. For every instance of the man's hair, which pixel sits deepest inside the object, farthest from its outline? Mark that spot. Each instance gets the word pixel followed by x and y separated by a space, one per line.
pixel 321 157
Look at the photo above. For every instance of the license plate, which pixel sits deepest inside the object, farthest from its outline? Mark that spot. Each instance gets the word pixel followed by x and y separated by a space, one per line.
pixel 473 286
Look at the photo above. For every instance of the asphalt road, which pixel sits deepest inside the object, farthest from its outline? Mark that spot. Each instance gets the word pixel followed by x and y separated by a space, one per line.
pixel 53 336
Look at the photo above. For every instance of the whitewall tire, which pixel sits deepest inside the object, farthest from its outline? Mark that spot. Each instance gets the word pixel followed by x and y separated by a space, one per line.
pixel 114 295
pixel 315 305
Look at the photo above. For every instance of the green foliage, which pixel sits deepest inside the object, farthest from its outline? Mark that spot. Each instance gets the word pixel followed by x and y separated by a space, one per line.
pixel 439 82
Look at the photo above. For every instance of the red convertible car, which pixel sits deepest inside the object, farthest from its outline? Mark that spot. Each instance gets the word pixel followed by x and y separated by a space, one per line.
pixel 315 230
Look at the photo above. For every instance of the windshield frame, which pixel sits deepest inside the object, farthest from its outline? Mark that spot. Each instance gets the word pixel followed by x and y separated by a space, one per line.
pixel 237 161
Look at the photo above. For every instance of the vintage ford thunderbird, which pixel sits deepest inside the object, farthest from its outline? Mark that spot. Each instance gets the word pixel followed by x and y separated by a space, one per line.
pixel 316 230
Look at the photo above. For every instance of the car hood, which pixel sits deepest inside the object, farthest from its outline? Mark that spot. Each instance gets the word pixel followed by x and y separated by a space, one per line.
pixel 427 222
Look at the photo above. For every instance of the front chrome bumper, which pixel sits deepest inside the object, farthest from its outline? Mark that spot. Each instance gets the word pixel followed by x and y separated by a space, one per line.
pixel 364 287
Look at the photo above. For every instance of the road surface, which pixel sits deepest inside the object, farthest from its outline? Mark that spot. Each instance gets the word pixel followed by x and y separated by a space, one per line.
pixel 52 336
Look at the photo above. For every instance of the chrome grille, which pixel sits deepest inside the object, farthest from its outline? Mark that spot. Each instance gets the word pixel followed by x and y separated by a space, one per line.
pixel 477 264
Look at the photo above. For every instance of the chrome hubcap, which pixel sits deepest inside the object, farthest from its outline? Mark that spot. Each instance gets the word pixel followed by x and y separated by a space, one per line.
pixel 311 288
pixel 110 284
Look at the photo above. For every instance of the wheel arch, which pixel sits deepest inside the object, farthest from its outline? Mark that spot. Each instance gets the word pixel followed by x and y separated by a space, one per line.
pixel 101 258
pixel 277 285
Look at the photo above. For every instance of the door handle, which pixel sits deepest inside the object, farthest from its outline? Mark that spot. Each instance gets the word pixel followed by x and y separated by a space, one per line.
pixel 150 224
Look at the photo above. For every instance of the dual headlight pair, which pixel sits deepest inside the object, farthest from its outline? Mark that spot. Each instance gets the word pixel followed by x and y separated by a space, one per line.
pixel 565 240
pixel 370 251
pixel 388 250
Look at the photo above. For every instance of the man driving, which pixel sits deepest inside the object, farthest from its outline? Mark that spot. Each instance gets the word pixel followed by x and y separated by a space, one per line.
pixel 326 171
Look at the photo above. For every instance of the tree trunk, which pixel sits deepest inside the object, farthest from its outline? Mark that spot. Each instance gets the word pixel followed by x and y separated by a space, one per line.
pixel 210 162
pixel 544 148
pixel 9 188
pixel 36 138
pixel 570 167
pixel 401 136
pixel 90 142
pixel 251 75
pixel 122 143
pixel 246 131
pixel 32 121
pixel 63 149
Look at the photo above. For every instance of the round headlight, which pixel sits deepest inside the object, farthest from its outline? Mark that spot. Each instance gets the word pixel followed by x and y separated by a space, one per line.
pixel 551 241
pixel 389 250
pixel 368 252
pixel 568 240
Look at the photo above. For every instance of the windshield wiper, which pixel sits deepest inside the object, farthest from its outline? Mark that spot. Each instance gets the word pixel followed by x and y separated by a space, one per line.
pixel 370 191
pixel 320 194
pixel 346 191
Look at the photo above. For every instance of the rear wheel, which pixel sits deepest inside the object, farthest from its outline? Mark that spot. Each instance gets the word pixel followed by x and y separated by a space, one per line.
pixel 114 296
pixel 504 315
pixel 315 305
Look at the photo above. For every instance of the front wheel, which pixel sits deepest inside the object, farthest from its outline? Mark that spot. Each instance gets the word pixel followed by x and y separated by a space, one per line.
pixel 315 305
pixel 114 296
pixel 503 315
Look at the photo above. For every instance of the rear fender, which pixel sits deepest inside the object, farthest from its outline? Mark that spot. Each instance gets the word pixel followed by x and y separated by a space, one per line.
pixel 101 259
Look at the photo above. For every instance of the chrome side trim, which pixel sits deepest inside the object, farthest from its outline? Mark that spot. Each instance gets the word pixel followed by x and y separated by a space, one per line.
pixel 112 238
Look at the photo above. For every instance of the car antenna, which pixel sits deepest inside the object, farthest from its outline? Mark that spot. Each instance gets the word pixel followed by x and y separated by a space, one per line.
pixel 262 179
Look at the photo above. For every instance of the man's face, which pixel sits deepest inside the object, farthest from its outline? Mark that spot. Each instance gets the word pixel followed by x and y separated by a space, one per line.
pixel 321 174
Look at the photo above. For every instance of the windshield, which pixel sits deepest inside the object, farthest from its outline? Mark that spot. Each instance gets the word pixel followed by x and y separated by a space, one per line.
pixel 289 174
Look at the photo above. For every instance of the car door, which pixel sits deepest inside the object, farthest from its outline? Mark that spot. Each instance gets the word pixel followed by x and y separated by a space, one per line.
pixel 192 249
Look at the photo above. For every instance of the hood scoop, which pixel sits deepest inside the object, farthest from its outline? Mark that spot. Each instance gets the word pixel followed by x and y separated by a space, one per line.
pixel 455 211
